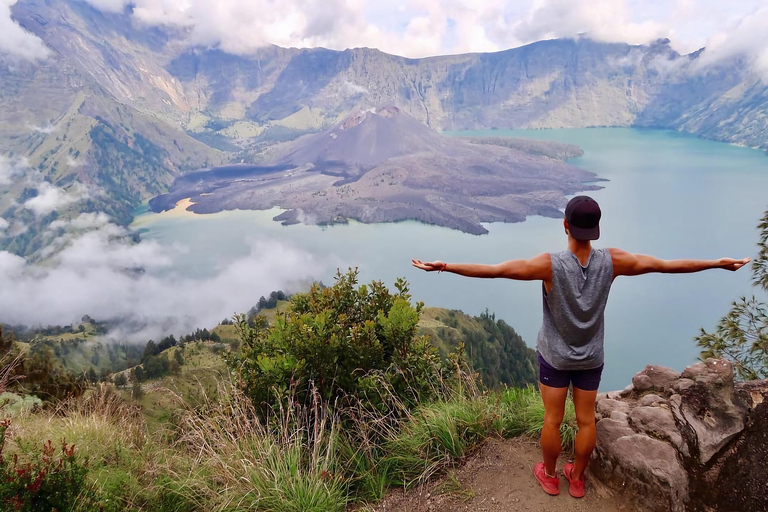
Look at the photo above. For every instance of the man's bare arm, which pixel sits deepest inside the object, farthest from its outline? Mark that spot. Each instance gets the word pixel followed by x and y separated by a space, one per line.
pixel 628 264
pixel 539 267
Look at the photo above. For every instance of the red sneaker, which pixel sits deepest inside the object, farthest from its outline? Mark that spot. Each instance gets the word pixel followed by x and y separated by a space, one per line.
pixel 550 484
pixel 576 488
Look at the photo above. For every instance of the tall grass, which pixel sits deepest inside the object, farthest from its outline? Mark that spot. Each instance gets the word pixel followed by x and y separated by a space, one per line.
pixel 521 413
pixel 220 455
pixel 8 364
pixel 237 461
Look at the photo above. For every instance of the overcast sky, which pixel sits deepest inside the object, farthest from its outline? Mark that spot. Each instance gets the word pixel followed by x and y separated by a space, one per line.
pixel 417 28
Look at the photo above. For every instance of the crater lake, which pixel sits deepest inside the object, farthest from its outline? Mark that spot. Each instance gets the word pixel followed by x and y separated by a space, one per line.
pixel 668 194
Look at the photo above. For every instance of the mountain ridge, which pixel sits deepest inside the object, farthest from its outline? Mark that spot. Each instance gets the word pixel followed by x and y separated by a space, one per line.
pixel 125 108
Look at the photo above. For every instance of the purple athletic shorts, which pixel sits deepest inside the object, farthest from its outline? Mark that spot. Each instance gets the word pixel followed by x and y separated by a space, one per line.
pixel 587 380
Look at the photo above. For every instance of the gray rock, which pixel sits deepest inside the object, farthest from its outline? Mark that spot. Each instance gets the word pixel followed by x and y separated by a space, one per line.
pixel 650 399
pixel 659 423
pixel 620 416
pixel 609 430
pixel 708 423
pixel 712 372
pixel 652 471
pixel 606 406
pixel 698 442
pixel 742 481
pixel 654 377
pixel 682 384
pixel 711 407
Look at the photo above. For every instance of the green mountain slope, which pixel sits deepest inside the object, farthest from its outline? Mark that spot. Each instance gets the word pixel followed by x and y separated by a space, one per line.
pixel 492 347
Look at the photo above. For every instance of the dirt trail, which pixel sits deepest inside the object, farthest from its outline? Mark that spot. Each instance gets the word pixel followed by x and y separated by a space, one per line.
pixel 500 478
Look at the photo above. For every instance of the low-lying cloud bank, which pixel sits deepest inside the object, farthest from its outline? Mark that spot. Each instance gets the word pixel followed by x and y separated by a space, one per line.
pixel 100 273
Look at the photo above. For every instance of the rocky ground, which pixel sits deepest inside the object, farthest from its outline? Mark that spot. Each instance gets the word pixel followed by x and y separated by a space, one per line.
pixel 500 478
pixel 385 166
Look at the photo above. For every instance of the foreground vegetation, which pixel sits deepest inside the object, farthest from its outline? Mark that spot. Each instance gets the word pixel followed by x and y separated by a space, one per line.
pixel 220 455
pixel 298 418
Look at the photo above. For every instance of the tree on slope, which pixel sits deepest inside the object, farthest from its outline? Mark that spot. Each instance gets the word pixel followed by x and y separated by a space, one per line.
pixel 742 335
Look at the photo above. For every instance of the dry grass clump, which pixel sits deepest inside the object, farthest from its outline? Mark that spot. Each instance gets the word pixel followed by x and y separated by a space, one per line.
pixel 237 461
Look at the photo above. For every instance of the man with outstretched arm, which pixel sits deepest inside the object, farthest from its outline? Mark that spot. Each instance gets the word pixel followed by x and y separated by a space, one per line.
pixel 575 286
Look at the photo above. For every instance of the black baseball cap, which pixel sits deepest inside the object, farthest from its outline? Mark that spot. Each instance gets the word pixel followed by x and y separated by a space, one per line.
pixel 583 216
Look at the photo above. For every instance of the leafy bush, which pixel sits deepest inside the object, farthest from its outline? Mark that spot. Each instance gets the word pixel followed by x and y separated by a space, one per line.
pixel 742 335
pixel 13 405
pixel 48 482
pixel 336 339
pixel 120 380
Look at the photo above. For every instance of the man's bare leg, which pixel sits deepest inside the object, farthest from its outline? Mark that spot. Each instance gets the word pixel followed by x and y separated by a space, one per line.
pixel 554 409
pixel 584 403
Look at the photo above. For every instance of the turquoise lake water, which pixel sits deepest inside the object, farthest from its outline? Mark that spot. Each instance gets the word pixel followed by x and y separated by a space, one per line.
pixel 669 194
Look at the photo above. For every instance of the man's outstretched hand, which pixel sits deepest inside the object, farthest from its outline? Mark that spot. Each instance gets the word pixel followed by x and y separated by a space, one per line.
pixel 428 266
pixel 731 264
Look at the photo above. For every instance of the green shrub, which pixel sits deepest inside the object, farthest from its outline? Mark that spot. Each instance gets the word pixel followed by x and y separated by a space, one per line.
pixel 13 405
pixel 120 380
pixel 334 340
pixel 47 482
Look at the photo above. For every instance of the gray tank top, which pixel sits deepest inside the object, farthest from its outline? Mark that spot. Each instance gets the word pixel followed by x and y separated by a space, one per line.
pixel 571 336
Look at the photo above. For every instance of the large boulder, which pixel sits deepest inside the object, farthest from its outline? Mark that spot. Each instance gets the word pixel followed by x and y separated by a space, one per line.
pixel 658 422
pixel 657 378
pixel 690 441
pixel 708 412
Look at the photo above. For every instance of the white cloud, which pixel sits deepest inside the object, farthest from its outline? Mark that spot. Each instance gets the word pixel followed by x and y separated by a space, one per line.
pixel 10 169
pixel 354 88
pixel 603 20
pixel 3 224
pixel 47 129
pixel 15 40
pixel 418 28
pixel 101 274
pixel 71 162
pixel 83 222
pixel 50 198
pixel 745 37
pixel 109 5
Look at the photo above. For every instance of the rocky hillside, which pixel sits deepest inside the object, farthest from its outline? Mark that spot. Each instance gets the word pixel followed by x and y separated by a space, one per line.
pixel 119 109
pixel 382 165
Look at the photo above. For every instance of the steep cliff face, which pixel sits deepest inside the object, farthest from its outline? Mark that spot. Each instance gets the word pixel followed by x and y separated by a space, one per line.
pixel 549 84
